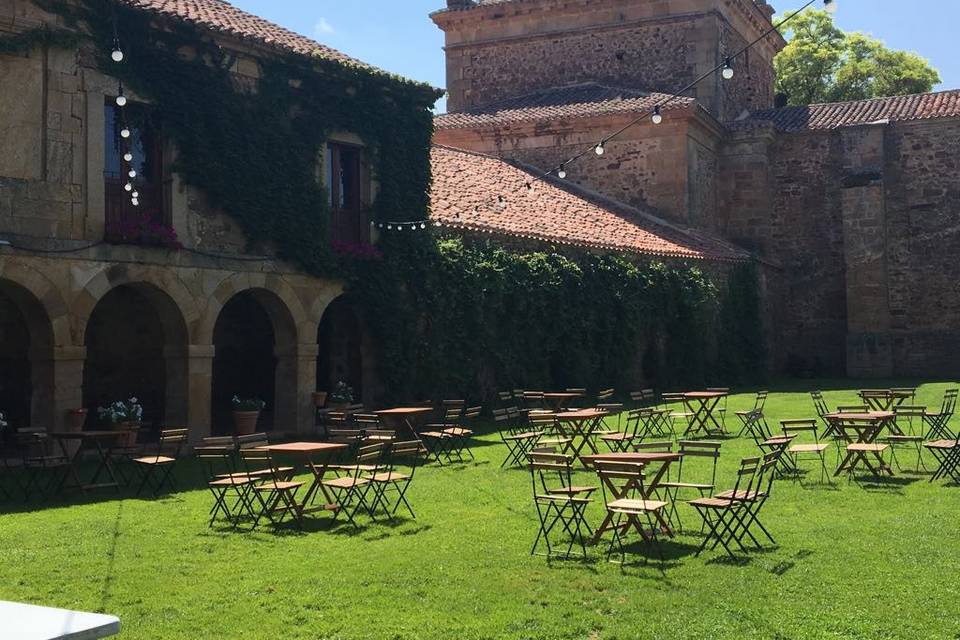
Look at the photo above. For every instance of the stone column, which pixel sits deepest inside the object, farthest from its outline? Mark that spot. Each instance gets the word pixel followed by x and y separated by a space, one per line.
pixel 176 402
pixel 57 385
pixel 199 387
pixel 296 380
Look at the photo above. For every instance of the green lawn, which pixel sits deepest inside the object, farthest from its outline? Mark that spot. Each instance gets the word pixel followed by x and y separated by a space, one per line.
pixel 852 562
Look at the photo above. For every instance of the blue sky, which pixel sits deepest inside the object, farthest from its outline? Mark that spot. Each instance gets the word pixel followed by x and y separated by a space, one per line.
pixel 398 35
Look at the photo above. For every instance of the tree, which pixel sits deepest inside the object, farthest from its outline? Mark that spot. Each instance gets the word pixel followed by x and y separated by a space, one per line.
pixel 821 63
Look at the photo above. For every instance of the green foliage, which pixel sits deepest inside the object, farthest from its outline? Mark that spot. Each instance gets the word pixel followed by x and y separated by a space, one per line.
pixel 821 63
pixel 467 319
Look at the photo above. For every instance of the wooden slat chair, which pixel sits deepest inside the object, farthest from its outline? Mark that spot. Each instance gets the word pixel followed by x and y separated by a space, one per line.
pixel 558 500
pixel 255 441
pixel 695 480
pixel 461 433
pixel 552 435
pixel 853 408
pixel 753 416
pixel 622 440
pixel 868 453
pixel 403 458
pixel 754 425
pixel 533 400
pixel 677 410
pixel 630 506
pixel 273 492
pixel 947 454
pixel 435 436
pixel 577 404
pixel 614 411
pixel 778 444
pixel 44 463
pixel 722 407
pixel 352 488
pixel 643 398
pixel 820 406
pixel 938 423
pixel 904 417
pixel 720 513
pixel 351 436
pixel 10 468
pixel 226 485
pixel 753 499
pixel 519 437
pixel 662 446
pixel 807 449
pixel 157 470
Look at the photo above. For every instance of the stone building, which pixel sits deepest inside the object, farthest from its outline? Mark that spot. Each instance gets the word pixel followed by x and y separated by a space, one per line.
pixel 87 318
pixel 852 208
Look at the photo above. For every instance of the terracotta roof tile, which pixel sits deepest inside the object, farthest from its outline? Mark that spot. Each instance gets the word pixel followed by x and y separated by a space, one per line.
pixel 920 106
pixel 464 196
pixel 573 101
pixel 223 17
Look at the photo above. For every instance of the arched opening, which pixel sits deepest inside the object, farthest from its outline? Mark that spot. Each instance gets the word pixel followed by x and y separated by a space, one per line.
pixel 26 351
pixel 340 337
pixel 252 329
pixel 136 347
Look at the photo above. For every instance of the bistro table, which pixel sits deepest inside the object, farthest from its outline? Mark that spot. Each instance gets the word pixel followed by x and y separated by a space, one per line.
pixel 866 427
pixel 885 399
pixel 664 459
pixel 557 400
pixel 403 417
pixel 580 426
pixel 307 453
pixel 702 405
pixel 31 622
pixel 103 441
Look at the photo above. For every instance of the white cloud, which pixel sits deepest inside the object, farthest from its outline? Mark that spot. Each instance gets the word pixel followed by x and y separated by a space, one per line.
pixel 322 27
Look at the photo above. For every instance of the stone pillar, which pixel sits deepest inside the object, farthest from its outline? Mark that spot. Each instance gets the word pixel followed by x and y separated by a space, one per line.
pixel 296 380
pixel 57 385
pixel 199 385
pixel 177 401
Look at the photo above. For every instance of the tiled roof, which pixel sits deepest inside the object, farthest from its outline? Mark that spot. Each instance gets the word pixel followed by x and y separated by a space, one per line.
pixel 223 17
pixel 573 101
pixel 920 106
pixel 466 186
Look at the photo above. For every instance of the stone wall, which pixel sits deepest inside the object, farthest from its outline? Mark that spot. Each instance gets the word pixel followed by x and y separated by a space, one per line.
pixel 497 52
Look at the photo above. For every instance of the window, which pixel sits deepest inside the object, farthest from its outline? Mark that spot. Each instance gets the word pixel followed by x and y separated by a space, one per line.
pixel 144 144
pixel 346 184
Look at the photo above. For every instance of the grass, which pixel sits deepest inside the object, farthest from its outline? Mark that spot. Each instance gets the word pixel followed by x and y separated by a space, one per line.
pixel 854 561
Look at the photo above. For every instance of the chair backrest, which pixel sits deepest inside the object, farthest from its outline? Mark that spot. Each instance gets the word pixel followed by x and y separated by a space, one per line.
pixel 665 446
pixel 615 472
pixel 909 411
pixel 853 408
pixel 505 397
pixel 760 401
pixel 543 421
pixel 819 403
pixel 453 403
pixel 347 436
pixel 501 417
pixel 380 434
pixel 533 399
pixel 371 455
pixel 172 441
pixel 581 390
pixel 672 398
pixel 451 414
pixel 604 395
pixel 256 460
pixel 949 404
pixel 366 421
pixel 746 475
pixel 252 441
pixel 216 459
pixel 691 449
pixel 408 453
pixel 471 413
pixel 219 441
pixel 546 464
pixel 612 408
pixel 797 427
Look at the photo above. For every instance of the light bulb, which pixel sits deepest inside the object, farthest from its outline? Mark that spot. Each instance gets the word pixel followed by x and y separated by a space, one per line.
pixel 437 223
pixel 727 70
pixel 135 194
pixel 562 173
pixel 599 149
pixel 124 133
pixel 656 118
pixel 128 187
pixel 117 54
pixel 132 173
pixel 830 6
pixel 135 202
pixel 128 156
pixel 423 225
pixel 399 227
pixel 121 100
pixel 389 226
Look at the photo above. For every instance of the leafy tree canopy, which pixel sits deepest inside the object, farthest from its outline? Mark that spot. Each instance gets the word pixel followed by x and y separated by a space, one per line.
pixel 822 63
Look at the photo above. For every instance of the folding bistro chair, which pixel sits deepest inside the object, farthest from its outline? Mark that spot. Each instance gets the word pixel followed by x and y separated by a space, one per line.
pixel 947 453
pixel 460 433
pixel 805 450
pixel 722 407
pixel 938 424
pixel 720 513
pixel 435 436
pixel 820 405
pixel 226 485
pixel 559 501
pixel 551 433
pixel 273 490
pixel 904 416
pixel 753 500
pixel 676 411
pixel 352 489
pixel 403 460
pixel 626 507
pixel 45 467
pixel 690 450
pixel 157 470
pixel 519 438
pixel 753 417
pixel 621 440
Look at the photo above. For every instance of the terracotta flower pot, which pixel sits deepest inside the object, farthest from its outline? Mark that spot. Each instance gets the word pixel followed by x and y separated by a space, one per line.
pixel 245 422
pixel 319 399
pixel 129 438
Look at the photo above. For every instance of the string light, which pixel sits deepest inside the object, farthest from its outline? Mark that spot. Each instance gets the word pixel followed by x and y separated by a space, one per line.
pixel 599 149
pixel 124 133
pixel 135 194
pixel 562 172
pixel 117 54
pixel 656 118
pixel 128 187
pixel 121 99
pixel 128 157
pixel 727 69
pixel 132 173
pixel 135 202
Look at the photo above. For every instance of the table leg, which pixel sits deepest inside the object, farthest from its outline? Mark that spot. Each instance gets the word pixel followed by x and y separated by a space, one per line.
pixel 71 466
pixel 104 466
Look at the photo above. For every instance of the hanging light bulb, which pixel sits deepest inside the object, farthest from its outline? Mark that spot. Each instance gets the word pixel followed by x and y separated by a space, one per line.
pixel 132 173
pixel 389 226
pixel 135 194
pixel 423 225
pixel 727 69
pixel 830 6
pixel 124 133
pixel 656 118
pixel 128 187
pixel 437 223
pixel 135 202
pixel 117 54
pixel 121 99
pixel 599 149
pixel 127 157
pixel 562 173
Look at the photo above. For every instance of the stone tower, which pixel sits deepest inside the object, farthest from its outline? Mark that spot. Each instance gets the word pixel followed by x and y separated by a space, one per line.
pixel 498 49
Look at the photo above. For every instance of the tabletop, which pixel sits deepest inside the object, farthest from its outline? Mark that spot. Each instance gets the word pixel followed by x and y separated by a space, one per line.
pixel 562 394
pixel 581 414
pixel 68 435
pixel 633 456
pixel 303 447
pixel 30 622
pixel 403 411
pixel 705 394
pixel 868 416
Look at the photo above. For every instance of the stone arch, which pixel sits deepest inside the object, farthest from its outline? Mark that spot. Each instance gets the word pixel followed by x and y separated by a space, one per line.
pixel 345 350
pixel 27 342
pixel 282 300
pixel 136 340
pixel 255 338
pixel 50 306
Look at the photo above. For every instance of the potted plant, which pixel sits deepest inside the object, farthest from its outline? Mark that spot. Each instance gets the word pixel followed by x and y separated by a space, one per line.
pixel 76 418
pixel 319 399
pixel 123 415
pixel 342 395
pixel 246 413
